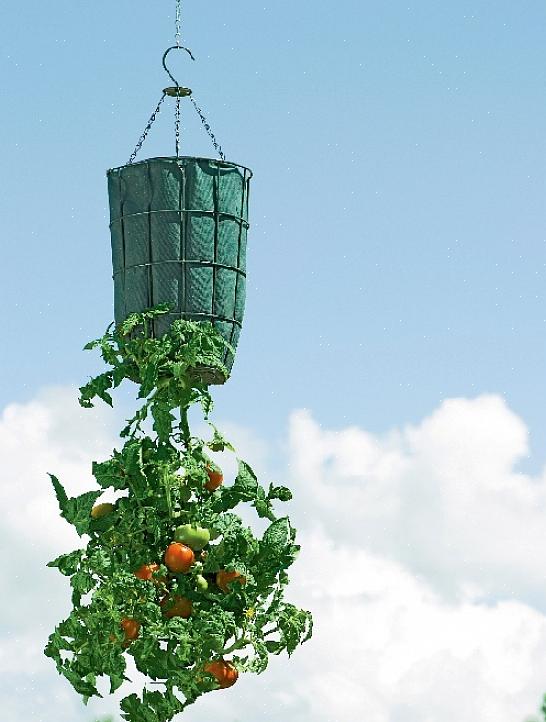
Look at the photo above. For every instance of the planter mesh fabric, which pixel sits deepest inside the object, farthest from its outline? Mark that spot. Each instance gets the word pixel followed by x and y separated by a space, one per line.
pixel 179 229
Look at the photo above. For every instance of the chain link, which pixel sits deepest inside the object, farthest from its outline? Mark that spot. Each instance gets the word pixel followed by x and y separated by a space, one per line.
pixel 204 121
pixel 178 23
pixel 217 146
pixel 146 131
pixel 177 126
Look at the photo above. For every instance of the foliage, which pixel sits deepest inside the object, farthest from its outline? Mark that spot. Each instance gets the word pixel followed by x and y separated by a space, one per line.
pixel 161 483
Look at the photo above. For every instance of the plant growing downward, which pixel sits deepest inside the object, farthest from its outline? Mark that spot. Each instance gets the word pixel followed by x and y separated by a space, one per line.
pixel 170 574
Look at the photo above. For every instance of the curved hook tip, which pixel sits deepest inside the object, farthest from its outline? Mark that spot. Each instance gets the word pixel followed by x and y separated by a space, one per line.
pixel 174 47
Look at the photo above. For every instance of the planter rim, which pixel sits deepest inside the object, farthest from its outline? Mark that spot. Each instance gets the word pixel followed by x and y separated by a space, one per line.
pixel 217 161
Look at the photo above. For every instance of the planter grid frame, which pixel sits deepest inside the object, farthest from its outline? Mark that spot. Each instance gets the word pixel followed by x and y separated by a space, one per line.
pixel 178 230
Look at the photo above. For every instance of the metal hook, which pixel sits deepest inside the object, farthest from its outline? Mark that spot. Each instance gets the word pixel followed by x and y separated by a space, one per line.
pixel 174 47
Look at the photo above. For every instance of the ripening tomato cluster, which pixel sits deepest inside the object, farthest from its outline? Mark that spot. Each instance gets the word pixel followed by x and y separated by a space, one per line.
pixel 179 558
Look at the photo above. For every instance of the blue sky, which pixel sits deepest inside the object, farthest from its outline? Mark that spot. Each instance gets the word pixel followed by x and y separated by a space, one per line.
pixel 396 255
pixel 397 251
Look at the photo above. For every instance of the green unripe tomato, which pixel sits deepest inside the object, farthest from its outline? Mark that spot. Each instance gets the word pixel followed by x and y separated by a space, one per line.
pixel 201 583
pixel 192 535
pixel 101 510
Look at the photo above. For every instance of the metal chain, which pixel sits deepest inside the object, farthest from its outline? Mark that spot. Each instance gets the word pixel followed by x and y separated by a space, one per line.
pixel 177 126
pixel 177 37
pixel 146 131
pixel 215 143
pixel 178 23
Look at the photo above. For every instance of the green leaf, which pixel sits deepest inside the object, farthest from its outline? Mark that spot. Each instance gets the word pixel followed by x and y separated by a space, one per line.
pixel 282 493
pixel 109 474
pixel 218 442
pixel 163 420
pixel 246 483
pixel 67 564
pixel 77 510
pixel 277 538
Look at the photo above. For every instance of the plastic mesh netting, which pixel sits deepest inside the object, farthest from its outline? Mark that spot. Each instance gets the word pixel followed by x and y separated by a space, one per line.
pixel 179 229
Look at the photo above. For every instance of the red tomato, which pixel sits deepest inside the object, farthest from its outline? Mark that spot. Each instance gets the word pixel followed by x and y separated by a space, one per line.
pixel 216 479
pixel 224 672
pixel 176 606
pixel 223 579
pixel 131 628
pixel 146 573
pixel 179 557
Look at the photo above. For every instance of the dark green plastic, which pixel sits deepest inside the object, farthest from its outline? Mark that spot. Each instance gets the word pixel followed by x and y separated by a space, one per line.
pixel 179 229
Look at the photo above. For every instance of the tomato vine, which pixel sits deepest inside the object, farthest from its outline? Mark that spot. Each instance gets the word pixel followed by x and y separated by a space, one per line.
pixel 195 619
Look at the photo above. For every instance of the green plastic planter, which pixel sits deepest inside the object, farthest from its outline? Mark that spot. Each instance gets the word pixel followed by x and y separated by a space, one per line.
pixel 179 229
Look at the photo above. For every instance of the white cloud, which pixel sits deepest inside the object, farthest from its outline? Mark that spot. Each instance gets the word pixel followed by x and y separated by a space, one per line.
pixel 442 497
pixel 418 561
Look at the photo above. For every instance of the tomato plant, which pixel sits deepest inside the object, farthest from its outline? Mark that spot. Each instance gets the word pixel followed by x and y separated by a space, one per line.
pixel 171 575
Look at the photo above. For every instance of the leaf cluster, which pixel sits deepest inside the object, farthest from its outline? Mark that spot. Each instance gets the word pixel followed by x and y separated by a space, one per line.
pixel 161 482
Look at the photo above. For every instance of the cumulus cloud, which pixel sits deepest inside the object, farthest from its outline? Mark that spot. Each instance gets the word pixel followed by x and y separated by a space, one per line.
pixel 418 561
pixel 443 497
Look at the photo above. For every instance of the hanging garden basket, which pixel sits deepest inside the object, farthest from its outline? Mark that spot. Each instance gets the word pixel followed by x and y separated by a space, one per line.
pixel 179 229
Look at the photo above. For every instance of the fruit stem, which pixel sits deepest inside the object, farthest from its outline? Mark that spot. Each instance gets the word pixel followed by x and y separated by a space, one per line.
pixel 239 644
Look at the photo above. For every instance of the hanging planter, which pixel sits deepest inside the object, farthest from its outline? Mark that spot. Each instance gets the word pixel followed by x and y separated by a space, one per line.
pixel 179 230
pixel 170 577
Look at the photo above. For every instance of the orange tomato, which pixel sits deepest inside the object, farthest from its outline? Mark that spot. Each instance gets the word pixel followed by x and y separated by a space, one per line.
pixel 146 573
pixel 224 672
pixel 216 479
pixel 131 628
pixel 179 557
pixel 223 579
pixel 176 606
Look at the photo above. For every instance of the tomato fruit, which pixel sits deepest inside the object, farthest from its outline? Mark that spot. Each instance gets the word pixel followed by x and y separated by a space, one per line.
pixel 216 479
pixel 146 573
pixel 176 606
pixel 101 510
pixel 179 558
pixel 224 579
pixel 192 535
pixel 224 672
pixel 131 628
pixel 201 583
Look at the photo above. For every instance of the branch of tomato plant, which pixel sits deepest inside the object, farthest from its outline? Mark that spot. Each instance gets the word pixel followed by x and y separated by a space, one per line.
pixel 239 644
pixel 185 426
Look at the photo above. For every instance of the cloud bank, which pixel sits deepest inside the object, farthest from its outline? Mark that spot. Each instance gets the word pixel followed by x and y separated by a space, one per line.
pixel 420 561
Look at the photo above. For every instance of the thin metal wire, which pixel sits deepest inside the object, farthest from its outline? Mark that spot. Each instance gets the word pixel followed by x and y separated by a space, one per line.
pixel 207 127
pixel 146 130
pixel 178 23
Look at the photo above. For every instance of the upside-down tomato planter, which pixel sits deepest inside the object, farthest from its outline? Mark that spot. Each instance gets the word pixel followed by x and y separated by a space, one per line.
pixel 170 575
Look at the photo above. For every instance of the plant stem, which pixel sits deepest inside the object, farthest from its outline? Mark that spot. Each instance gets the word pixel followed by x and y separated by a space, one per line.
pixel 184 425
pixel 239 644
